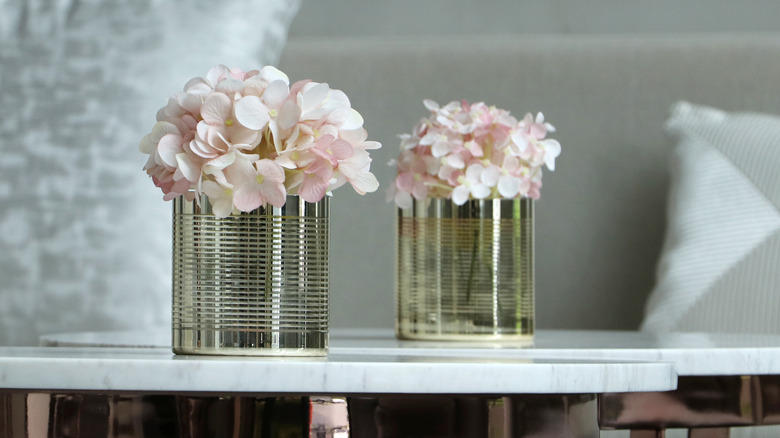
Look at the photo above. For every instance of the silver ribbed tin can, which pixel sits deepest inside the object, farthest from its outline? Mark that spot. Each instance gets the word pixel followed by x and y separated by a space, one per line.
pixel 251 284
pixel 466 272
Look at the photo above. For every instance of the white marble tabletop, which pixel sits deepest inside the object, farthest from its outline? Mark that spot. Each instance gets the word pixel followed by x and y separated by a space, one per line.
pixel 155 369
pixel 693 354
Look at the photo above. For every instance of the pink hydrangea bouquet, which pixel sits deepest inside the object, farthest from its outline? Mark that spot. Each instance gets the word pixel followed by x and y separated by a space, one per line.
pixel 473 151
pixel 246 139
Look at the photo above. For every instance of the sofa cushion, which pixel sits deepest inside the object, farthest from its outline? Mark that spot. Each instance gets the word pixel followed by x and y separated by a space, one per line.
pixel 84 234
pixel 718 271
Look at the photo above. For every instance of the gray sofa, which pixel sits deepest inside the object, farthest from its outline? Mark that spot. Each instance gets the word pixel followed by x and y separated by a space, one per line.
pixel 600 222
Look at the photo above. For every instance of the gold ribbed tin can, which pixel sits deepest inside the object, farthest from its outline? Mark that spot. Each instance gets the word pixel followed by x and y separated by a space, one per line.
pixel 253 283
pixel 466 273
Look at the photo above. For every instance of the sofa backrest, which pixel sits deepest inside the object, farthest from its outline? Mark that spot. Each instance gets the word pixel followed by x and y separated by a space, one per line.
pixel 600 219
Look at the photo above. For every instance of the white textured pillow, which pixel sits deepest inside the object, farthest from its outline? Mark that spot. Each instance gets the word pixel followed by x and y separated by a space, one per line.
pixel 720 266
pixel 84 234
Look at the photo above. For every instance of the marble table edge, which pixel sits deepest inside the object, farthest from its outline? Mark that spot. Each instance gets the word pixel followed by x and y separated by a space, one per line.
pixel 157 370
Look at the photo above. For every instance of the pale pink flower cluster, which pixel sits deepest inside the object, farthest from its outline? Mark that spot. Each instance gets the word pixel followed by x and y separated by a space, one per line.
pixel 475 151
pixel 246 139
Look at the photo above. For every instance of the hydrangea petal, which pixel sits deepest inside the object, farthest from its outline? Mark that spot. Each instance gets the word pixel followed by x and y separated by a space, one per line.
pixel 370 145
pixel 212 189
pixel 538 131
pixel 508 186
pixel 188 168
pixel 341 150
pixel 197 85
pixel 480 191
pixel 474 172
pixel 460 195
pixel 511 163
pixel 274 193
pixel 420 191
pixel 552 148
pixel 241 171
pixel 441 148
pixel 429 138
pixel 222 207
pixel 146 145
pixel 355 136
pixel 431 105
pixel 216 109
pixel 244 138
pixel 456 161
pixel 289 115
pixel 219 163
pixel 364 182
pixel 403 199
pixel 271 73
pixel 201 149
pixel 169 196
pixel 312 188
pixel 405 181
pixel 347 118
pixel 293 179
pixel 519 139
pixel 168 147
pixel 270 169
pixel 276 93
pixel 230 86
pixel 252 113
pixel 314 96
pixel 190 102
pixel 161 129
pixel 216 73
pixel 337 99
pixel 247 197
pixel 490 176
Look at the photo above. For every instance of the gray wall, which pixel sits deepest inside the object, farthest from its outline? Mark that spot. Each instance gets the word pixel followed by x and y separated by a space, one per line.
pixel 329 18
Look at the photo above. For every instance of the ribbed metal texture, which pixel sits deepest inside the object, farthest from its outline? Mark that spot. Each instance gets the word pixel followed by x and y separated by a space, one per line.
pixel 466 272
pixel 251 284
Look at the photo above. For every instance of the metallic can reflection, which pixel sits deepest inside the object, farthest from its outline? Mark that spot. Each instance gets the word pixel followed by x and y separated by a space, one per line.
pixel 253 283
pixel 466 272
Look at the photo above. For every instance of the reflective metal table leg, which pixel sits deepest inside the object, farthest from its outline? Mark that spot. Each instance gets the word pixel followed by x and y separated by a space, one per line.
pixel 237 416
pixel 709 432
pixel 647 434
pixel 707 406
pixel 440 416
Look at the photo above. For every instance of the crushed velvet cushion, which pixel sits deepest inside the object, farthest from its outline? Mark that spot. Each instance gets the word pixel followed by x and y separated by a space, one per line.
pixel 84 234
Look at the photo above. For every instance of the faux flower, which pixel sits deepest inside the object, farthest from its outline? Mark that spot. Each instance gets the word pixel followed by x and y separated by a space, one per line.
pixel 473 151
pixel 246 139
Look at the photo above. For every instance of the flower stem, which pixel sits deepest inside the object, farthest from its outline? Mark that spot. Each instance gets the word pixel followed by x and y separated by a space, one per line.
pixel 472 267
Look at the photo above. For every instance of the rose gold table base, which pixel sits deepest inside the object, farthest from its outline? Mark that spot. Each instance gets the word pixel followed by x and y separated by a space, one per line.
pixel 707 406
pixel 167 415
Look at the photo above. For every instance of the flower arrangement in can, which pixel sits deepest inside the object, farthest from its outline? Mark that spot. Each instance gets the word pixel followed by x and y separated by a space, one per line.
pixel 247 139
pixel 465 151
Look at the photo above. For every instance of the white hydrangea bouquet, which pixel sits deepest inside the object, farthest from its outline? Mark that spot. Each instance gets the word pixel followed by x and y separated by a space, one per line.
pixel 473 151
pixel 246 139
